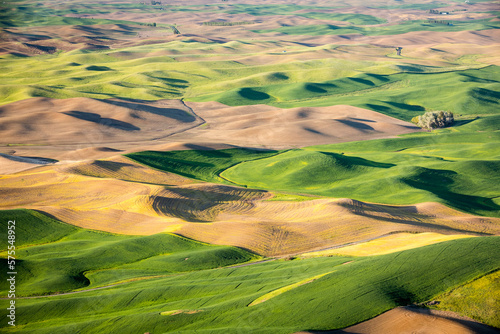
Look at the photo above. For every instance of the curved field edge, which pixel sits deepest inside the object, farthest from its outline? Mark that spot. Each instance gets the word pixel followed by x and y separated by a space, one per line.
pixel 457 167
pixel 204 165
pixel 388 244
pixel 479 299
pixel 354 292
pixel 284 289
pixel 54 257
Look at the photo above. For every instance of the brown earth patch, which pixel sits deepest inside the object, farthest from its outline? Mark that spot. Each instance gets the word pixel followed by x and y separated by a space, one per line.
pixel 86 121
pixel 409 319
pixel 272 127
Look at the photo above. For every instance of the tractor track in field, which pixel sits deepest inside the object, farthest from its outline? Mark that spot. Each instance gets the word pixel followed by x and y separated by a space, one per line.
pixel 134 280
pixel 67 293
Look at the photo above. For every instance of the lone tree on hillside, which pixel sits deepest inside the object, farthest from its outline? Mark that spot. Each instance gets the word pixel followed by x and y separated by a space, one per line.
pixel 434 119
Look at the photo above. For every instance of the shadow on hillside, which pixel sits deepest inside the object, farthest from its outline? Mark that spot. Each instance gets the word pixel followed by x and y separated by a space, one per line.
pixel 251 94
pixel 350 161
pixel 405 106
pixel 405 219
pixel 471 78
pixel 441 182
pixel 486 95
pixel 126 27
pixel 357 125
pixel 380 77
pixel 113 166
pixel 378 108
pixel 98 68
pixel 362 81
pixel 27 36
pixel 174 113
pixel 315 89
pixel 462 122
pixel 30 160
pixel 89 29
pixel 108 122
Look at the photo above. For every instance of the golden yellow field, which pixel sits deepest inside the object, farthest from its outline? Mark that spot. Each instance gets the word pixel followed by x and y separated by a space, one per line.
pixel 284 289
pixel 388 244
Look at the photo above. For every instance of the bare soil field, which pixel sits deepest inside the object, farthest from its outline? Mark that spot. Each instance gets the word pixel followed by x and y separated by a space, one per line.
pixel 272 127
pixel 82 121
pixel 83 129
pixel 30 41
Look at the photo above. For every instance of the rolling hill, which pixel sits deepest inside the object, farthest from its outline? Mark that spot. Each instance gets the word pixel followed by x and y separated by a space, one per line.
pixel 249 167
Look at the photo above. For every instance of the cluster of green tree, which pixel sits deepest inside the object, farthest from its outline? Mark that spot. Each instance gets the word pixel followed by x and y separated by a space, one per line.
pixel 434 119
pixel 220 23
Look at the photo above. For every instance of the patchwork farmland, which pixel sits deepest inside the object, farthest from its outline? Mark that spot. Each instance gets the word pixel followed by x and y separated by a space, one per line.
pixel 249 166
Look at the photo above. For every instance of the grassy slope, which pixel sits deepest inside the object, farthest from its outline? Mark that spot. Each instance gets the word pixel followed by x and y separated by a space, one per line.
pixel 411 169
pixel 479 299
pixel 205 165
pixel 402 95
pixel 40 229
pixel 55 257
pixel 456 166
pixel 152 77
pixel 368 285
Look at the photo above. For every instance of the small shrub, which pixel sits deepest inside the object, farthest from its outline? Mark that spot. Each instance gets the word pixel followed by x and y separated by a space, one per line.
pixel 434 119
